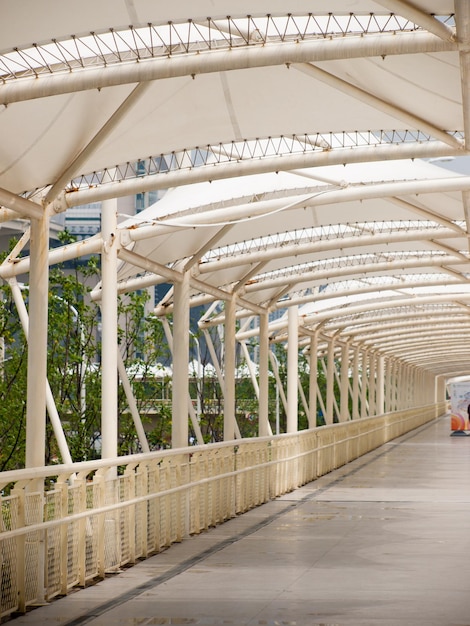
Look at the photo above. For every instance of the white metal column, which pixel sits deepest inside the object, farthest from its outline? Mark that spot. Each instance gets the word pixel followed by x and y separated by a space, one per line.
pixel 292 368
pixel 355 384
pixel 330 380
pixel 420 387
pixel 364 383
pixel 440 389
pixel 229 370
pixel 400 390
pixel 407 383
pixel 372 384
pixel 179 413
pixel 388 385
pixel 380 383
pixel 344 383
pixel 37 345
pixel 394 403
pixel 139 427
pixel 109 345
pixel 192 413
pixel 264 428
pixel 313 381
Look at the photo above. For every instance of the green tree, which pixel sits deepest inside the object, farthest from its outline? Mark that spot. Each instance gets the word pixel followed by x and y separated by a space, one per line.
pixel 74 348
pixel 12 385
pixel 73 358
pixel 143 346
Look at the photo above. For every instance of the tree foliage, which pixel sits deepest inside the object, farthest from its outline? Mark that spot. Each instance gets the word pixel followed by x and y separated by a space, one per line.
pixel 74 349
pixel 74 374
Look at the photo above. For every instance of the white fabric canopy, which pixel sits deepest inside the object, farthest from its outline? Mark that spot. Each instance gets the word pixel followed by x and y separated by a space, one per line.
pixel 292 140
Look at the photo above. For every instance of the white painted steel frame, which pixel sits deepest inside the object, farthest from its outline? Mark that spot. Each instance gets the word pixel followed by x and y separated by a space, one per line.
pixel 301 55
pixel 370 350
pixel 250 56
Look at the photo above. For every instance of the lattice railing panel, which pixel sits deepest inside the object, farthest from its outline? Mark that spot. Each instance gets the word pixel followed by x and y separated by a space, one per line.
pixel 99 519
pixel 9 556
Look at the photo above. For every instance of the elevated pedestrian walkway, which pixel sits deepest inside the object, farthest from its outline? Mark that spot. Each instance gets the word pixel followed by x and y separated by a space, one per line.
pixel 383 540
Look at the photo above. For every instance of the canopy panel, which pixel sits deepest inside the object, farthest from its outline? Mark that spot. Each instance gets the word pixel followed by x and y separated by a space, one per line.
pixel 301 152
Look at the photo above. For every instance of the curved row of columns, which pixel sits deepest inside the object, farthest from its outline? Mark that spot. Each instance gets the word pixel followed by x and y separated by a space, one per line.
pixel 359 382
pixel 368 383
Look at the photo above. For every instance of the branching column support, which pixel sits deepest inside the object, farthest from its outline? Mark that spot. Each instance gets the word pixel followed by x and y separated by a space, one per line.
pixel 264 428
pixel 192 412
pixel 109 344
pixel 292 369
pixel 51 406
pixel 313 381
pixel 280 394
pixel 37 351
pixel 330 381
pixel 139 428
pixel 229 370
pixel 344 380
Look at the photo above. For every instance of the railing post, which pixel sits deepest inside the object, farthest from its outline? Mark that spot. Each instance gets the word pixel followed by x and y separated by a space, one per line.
pixel 62 486
pixel 80 483
pixel 132 515
pixel 19 492
pixel 98 501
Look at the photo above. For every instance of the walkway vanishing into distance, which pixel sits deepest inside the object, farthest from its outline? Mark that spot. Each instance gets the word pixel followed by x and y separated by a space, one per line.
pixel 383 540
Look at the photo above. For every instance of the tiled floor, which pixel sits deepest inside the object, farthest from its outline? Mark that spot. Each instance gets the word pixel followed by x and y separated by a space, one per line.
pixel 383 541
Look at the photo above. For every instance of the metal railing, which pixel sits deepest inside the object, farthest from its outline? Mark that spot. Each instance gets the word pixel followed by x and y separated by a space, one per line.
pixel 63 526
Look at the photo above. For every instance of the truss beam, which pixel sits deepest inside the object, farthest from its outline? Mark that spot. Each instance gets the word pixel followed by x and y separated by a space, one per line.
pixel 316 247
pixel 268 54
pixel 420 18
pixel 251 166
pixel 319 275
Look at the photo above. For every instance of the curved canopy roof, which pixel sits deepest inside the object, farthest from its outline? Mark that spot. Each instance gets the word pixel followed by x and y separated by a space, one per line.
pixel 295 144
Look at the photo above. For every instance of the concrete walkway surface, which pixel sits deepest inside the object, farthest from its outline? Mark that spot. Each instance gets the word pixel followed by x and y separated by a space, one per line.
pixel 382 541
